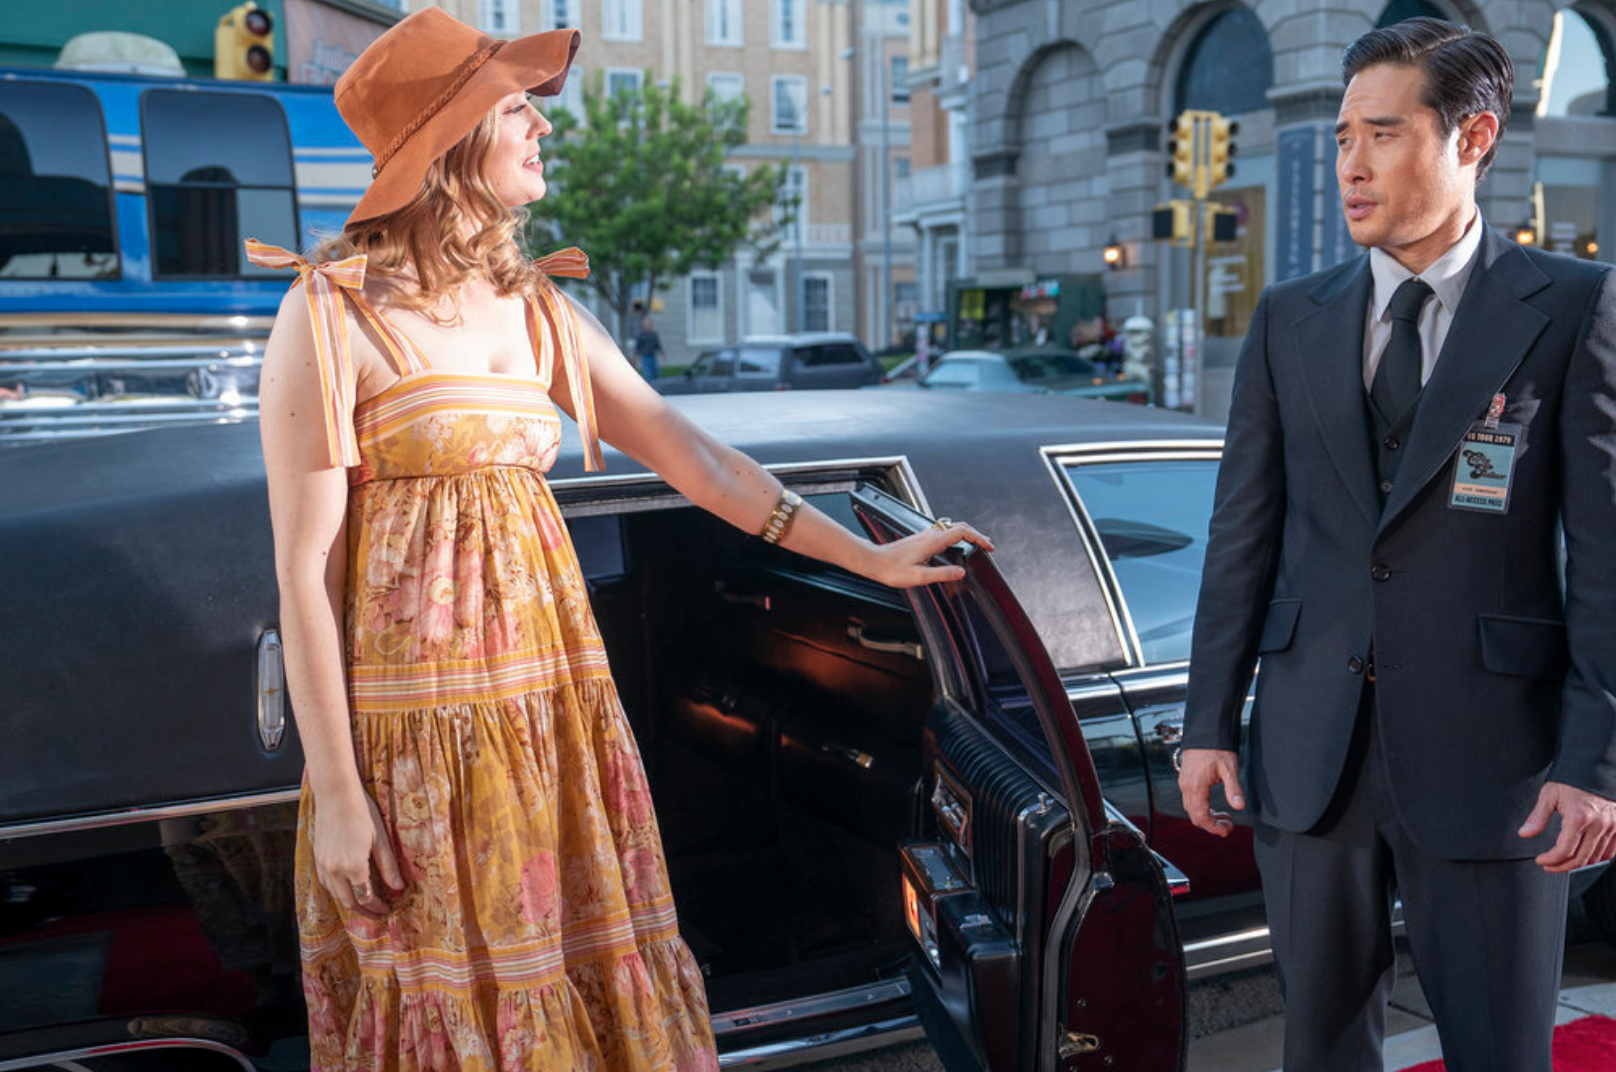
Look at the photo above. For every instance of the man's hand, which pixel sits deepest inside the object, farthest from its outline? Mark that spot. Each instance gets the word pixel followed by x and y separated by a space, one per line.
pixel 1587 826
pixel 1199 769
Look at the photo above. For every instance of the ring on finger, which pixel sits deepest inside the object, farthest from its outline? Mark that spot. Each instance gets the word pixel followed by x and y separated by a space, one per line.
pixel 942 523
pixel 362 890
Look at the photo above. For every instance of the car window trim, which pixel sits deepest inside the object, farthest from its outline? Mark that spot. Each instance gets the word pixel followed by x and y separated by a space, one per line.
pixel 1057 457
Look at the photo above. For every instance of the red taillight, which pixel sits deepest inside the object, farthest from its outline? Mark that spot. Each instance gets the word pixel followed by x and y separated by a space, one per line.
pixel 1138 398
pixel 782 386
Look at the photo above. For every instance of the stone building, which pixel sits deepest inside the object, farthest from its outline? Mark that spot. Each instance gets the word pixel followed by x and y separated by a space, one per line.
pixel 810 68
pixel 1068 105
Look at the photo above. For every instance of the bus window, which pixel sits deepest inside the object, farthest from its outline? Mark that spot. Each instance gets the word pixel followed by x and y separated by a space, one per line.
pixel 55 184
pixel 218 171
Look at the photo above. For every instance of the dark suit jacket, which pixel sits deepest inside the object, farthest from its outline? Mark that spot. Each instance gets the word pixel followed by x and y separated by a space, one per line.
pixel 1489 681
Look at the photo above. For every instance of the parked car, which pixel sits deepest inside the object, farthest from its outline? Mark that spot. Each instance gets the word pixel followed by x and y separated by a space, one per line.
pixel 882 810
pixel 1033 370
pixel 806 361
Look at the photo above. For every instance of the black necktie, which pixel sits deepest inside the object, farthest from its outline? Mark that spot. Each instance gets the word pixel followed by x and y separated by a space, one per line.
pixel 1397 380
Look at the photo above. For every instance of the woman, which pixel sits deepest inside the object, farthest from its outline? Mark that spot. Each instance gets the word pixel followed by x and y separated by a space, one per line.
pixel 480 880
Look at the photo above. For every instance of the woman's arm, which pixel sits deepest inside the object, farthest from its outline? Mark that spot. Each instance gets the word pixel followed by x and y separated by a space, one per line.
pixel 722 480
pixel 308 506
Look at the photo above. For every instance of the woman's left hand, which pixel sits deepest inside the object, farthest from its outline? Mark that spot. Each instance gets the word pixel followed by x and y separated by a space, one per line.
pixel 905 563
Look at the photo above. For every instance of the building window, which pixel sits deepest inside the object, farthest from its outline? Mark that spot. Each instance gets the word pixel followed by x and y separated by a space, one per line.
pixel 623 80
pixel 900 79
pixel 724 22
pixel 726 85
pixel 56 222
pixel 816 302
pixel 560 14
pixel 218 170
pixel 498 16
pixel 620 21
pixel 900 167
pixel 789 92
pixel 786 29
pixel 1229 67
pixel 794 188
pixel 569 99
pixel 706 313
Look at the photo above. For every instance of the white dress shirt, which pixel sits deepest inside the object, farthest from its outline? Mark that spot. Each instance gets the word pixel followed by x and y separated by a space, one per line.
pixel 1446 278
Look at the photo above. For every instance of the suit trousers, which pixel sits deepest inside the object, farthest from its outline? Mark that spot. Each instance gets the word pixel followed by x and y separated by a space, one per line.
pixel 1488 936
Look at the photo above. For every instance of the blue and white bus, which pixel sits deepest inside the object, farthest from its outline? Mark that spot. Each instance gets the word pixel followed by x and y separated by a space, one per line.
pixel 125 298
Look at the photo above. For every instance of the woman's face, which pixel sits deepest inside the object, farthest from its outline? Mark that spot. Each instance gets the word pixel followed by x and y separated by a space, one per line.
pixel 513 167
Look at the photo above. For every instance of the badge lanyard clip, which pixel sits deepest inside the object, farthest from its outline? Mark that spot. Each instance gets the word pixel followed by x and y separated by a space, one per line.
pixel 1495 410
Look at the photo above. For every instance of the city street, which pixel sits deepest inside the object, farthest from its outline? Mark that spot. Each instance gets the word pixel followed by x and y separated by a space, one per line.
pixel 1236 1026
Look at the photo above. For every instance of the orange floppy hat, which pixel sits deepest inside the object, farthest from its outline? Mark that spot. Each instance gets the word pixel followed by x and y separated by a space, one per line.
pixel 426 83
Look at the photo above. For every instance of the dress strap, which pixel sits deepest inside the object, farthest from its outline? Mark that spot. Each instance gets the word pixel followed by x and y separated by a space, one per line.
pixel 323 286
pixel 407 357
pixel 549 304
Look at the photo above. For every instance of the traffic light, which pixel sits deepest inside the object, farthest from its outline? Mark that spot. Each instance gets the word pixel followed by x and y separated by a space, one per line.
pixel 1220 149
pixel 244 44
pixel 1222 224
pixel 1174 222
pixel 1181 150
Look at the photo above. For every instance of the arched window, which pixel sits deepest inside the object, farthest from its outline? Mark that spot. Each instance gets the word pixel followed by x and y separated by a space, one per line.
pixel 1398 10
pixel 1577 68
pixel 1229 66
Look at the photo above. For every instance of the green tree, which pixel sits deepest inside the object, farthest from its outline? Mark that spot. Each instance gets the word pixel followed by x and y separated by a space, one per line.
pixel 641 184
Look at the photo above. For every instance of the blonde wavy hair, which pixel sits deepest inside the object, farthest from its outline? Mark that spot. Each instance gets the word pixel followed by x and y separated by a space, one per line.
pixel 453 229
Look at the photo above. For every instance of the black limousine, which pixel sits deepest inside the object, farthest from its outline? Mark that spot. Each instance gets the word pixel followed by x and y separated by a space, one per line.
pixel 884 812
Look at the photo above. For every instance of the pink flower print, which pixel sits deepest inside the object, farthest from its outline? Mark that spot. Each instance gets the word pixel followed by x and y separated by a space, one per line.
pixel 551 534
pixel 626 792
pixel 418 821
pixel 540 887
pixel 641 876
pixel 437 623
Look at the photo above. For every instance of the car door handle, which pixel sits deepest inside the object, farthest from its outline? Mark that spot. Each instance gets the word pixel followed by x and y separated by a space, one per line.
pixel 1170 731
pixel 271 681
pixel 897 643
pixel 757 599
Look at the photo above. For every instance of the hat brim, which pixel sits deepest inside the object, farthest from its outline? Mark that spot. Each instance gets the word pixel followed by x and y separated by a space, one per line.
pixel 537 64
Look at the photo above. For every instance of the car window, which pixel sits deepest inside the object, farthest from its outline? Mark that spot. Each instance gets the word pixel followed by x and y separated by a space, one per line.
pixel 758 361
pixel 836 353
pixel 1151 516
pixel 954 374
pixel 218 171
pixel 55 184
pixel 714 363
pixel 1049 366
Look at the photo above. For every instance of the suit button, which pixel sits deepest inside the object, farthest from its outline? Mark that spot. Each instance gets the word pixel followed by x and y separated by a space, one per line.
pixel 1355 665
pixel 1391 442
pixel 1385 487
pixel 1380 572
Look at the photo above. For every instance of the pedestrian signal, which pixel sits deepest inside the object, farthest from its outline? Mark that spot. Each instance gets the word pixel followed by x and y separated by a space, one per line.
pixel 1220 150
pixel 1222 224
pixel 1173 222
pixel 244 44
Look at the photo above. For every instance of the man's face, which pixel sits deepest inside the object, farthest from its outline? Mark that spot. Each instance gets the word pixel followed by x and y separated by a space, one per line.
pixel 1405 187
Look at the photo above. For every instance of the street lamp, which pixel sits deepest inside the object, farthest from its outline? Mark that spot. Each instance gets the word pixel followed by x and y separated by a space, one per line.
pixel 885 114
pixel 799 293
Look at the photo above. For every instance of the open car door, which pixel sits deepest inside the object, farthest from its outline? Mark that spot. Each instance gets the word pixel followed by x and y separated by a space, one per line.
pixel 1045 934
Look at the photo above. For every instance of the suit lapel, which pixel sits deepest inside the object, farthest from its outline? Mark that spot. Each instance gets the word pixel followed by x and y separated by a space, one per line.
pixel 1490 335
pixel 1329 342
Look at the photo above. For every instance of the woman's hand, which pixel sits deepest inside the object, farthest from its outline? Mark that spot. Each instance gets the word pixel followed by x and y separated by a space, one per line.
pixel 905 563
pixel 348 836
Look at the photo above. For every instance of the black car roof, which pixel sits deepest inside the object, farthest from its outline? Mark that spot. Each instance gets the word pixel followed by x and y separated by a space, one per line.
pixel 976 456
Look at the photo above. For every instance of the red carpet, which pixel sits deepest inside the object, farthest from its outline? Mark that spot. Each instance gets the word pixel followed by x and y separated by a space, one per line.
pixel 1585 1045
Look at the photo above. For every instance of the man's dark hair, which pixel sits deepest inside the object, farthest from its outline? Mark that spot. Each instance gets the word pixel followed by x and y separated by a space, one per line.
pixel 1466 71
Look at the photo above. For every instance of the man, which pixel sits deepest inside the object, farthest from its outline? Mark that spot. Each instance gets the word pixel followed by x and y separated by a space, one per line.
pixel 647 350
pixel 1434 720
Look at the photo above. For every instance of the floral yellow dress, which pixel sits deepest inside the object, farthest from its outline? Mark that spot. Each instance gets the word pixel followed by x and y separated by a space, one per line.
pixel 537 930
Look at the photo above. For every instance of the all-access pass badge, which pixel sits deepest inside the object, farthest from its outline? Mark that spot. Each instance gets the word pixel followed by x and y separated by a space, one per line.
pixel 1484 468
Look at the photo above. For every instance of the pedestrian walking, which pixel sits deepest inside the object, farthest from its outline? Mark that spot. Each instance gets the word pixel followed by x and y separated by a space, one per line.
pixel 1434 719
pixel 479 879
pixel 648 350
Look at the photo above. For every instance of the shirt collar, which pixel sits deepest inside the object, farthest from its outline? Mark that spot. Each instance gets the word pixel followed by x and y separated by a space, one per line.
pixel 1447 276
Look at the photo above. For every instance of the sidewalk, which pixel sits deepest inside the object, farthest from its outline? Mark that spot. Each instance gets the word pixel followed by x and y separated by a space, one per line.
pixel 1588 987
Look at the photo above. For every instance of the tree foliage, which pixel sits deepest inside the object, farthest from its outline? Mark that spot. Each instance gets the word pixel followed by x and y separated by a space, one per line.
pixel 641 184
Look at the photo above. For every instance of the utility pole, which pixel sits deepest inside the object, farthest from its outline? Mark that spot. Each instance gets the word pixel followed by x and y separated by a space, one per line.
pixel 1200 147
